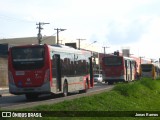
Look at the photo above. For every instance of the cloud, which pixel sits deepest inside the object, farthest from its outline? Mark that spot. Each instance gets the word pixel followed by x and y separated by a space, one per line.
pixel 113 23
pixel 127 31
pixel 147 44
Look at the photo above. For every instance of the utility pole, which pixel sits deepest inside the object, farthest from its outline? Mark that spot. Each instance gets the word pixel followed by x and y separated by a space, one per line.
pixel 39 35
pixel 105 50
pixel 79 42
pixel 58 30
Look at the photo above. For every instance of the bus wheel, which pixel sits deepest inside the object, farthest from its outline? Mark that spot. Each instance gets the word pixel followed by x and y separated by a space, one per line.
pixel 110 83
pixel 65 89
pixel 31 96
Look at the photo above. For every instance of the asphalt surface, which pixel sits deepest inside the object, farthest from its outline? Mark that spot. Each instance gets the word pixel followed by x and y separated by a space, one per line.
pixel 9 101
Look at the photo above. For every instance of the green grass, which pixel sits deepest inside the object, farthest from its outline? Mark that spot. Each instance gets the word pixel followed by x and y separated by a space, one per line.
pixel 142 95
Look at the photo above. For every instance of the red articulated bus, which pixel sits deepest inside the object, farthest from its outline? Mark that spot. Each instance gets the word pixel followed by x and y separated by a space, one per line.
pixel 43 69
pixel 117 68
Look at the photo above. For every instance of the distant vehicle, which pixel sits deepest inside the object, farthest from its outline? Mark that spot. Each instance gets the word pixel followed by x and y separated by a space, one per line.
pixel 149 70
pixel 43 69
pixel 117 68
pixel 97 78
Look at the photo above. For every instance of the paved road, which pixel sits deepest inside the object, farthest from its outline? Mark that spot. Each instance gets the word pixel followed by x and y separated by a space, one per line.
pixel 8 101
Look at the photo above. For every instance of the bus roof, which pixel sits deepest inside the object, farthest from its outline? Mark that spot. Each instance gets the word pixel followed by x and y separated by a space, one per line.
pixel 149 64
pixel 63 48
pixel 126 58
pixel 59 48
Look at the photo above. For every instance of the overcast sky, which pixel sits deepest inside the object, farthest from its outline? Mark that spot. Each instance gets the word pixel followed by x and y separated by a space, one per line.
pixel 133 24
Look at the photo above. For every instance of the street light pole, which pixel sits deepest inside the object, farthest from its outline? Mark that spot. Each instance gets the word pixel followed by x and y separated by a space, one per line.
pixel 92 43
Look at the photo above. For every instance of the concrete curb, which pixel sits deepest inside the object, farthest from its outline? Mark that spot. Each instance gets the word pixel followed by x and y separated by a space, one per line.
pixel 4 91
pixel 4 88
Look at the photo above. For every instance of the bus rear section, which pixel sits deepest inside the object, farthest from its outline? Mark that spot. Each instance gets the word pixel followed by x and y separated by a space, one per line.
pixel 118 69
pixel 149 71
pixel 28 70
pixel 112 69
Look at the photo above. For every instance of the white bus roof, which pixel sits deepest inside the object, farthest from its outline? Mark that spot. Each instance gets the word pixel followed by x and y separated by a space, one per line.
pixel 68 49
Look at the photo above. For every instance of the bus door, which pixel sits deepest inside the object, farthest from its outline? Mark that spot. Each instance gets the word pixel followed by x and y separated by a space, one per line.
pixel 58 71
pixel 91 71
pixel 131 70
pixel 126 71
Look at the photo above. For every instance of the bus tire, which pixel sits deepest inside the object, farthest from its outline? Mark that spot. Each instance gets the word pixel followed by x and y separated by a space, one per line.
pixel 65 89
pixel 110 83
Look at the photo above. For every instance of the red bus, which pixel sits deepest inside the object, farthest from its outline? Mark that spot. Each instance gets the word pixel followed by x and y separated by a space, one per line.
pixel 117 68
pixel 41 69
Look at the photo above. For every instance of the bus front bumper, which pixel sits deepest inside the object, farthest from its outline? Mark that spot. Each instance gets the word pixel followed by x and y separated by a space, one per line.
pixel 114 79
pixel 45 88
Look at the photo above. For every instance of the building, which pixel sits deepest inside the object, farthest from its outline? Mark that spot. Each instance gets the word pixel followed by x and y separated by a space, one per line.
pixel 28 40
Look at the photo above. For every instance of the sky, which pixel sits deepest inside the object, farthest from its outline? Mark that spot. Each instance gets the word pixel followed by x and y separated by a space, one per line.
pixel 116 24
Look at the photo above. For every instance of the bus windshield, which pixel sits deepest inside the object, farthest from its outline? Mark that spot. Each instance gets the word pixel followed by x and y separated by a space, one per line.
pixel 113 61
pixel 146 68
pixel 28 58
